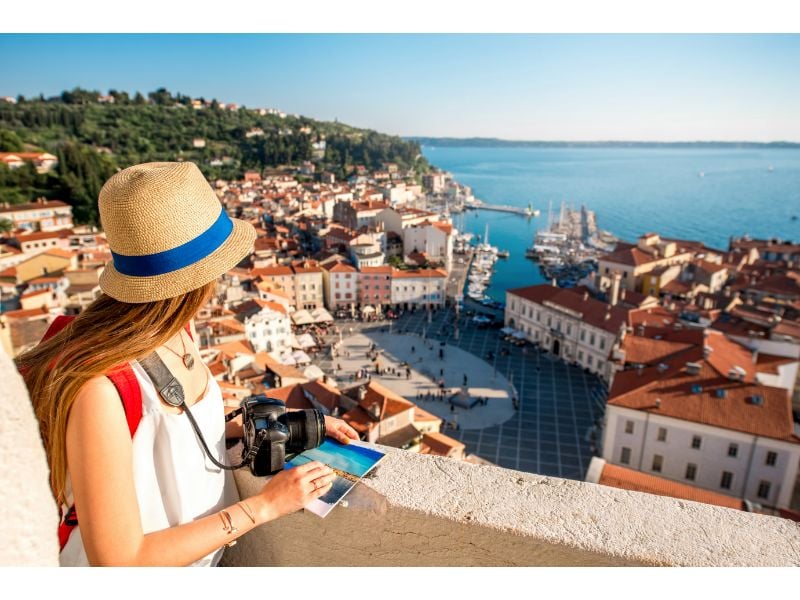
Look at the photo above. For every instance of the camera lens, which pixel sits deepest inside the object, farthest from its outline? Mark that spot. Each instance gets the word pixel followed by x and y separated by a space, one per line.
pixel 306 429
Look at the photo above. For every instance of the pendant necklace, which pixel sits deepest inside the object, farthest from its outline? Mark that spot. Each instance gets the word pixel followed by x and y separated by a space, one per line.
pixel 186 357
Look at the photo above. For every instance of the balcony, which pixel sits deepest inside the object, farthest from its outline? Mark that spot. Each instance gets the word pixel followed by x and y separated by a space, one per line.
pixel 424 510
pixel 419 510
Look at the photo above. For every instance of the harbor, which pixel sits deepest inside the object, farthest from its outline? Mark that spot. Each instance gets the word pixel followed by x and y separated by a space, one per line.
pixel 567 251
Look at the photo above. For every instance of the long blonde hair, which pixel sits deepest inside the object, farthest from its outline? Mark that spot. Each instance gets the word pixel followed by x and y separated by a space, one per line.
pixel 106 334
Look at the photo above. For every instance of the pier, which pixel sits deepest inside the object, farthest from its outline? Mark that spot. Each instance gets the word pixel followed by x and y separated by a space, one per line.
pixel 516 210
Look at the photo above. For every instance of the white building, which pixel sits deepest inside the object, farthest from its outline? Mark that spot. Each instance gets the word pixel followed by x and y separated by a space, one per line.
pixel 570 324
pixel 42 215
pixel 699 416
pixel 422 288
pixel 269 331
pixel 435 240
pixel 308 286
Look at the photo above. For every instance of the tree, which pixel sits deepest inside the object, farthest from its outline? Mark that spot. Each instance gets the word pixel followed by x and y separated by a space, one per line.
pixel 6 226
pixel 10 142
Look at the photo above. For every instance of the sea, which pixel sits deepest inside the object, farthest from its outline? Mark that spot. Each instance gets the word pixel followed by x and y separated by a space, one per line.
pixel 698 194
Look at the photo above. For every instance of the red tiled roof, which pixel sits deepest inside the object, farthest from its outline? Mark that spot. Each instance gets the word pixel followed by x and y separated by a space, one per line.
pixel 632 257
pixel 671 392
pixel 386 269
pixel 26 313
pixel 33 206
pixel 44 235
pixel 769 363
pixel 427 273
pixel 648 351
pixel 628 479
pixel 593 312
pixel 710 267
pixel 231 349
pixel 439 444
pixel 784 285
pixel 35 293
pixel 341 267
pixel 271 271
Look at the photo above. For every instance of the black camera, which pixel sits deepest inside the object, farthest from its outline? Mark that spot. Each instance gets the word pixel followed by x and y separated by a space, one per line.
pixel 272 435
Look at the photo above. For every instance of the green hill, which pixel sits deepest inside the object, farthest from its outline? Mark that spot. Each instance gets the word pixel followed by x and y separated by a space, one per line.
pixel 93 139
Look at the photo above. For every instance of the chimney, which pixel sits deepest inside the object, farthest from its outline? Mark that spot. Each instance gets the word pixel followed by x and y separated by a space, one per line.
pixel 616 278
pixel 375 411
pixel 693 368
pixel 658 402
pixel 585 296
pixel 608 313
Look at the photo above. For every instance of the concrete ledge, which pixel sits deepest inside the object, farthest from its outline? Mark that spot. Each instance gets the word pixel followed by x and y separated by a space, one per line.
pixel 419 510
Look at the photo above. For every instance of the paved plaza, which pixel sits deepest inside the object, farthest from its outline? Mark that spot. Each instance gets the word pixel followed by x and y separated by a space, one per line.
pixel 559 405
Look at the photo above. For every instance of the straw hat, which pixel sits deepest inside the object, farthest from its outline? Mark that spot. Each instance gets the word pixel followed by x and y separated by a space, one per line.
pixel 167 231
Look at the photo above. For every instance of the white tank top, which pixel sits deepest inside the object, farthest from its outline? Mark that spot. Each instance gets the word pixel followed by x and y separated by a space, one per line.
pixel 175 481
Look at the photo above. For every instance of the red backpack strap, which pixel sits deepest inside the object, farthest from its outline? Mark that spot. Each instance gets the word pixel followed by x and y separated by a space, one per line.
pixel 124 379
pixel 57 325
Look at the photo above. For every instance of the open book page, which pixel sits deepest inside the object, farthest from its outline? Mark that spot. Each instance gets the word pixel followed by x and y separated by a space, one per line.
pixel 351 462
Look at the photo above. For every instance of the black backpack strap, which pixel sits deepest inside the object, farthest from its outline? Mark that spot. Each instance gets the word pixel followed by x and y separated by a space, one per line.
pixel 166 384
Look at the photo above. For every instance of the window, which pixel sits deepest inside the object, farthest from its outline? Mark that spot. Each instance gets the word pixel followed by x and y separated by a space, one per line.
pixel 602 343
pixel 727 479
pixel 763 489
pixel 569 329
pixel 696 442
pixel 625 457
pixel 691 471
pixel 580 355
pixel 590 360
pixel 628 426
pixel 583 335
pixel 662 434
pixel 591 340
pixel 772 458
pixel 658 462
pixel 549 321
pixel 733 450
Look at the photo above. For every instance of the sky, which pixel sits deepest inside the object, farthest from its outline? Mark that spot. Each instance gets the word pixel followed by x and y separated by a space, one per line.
pixel 523 87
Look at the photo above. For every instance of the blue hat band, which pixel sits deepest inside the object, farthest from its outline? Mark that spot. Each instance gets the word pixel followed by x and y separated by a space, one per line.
pixel 179 257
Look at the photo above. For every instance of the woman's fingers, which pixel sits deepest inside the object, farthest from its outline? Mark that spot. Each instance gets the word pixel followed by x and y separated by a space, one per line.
pixel 315 473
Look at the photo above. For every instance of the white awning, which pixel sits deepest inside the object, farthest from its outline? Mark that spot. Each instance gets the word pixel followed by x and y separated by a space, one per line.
pixel 313 372
pixel 301 358
pixel 507 330
pixel 305 341
pixel 320 315
pixel 367 309
pixel 302 317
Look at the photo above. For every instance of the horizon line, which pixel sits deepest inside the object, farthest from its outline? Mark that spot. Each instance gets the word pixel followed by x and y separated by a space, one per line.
pixel 601 141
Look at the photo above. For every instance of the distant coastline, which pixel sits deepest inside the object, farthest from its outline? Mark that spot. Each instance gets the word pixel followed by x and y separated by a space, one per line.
pixel 499 143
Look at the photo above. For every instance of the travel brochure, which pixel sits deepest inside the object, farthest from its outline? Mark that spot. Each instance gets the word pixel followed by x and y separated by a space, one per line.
pixel 350 462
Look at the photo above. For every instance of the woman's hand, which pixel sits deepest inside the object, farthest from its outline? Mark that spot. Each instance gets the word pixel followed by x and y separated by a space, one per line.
pixel 339 430
pixel 291 489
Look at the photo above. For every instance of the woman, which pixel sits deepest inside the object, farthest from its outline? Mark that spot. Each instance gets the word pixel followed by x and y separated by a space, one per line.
pixel 154 499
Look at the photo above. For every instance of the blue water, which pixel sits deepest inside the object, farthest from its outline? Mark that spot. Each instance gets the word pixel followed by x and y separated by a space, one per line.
pixel 633 191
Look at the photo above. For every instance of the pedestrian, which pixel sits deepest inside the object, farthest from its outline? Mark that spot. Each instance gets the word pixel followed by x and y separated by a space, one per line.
pixel 441 372
pixel 465 380
pixel 441 354
pixel 412 349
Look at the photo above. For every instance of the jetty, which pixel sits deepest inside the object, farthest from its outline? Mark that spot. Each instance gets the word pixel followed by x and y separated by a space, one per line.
pixel 516 210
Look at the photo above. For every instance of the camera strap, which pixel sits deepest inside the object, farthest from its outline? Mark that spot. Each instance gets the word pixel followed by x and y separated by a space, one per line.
pixel 170 389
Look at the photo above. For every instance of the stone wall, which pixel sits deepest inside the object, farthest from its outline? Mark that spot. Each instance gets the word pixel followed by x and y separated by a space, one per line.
pixel 424 510
pixel 28 511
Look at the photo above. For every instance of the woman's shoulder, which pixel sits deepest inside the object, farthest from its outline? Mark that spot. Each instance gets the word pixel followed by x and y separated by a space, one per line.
pixel 92 401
